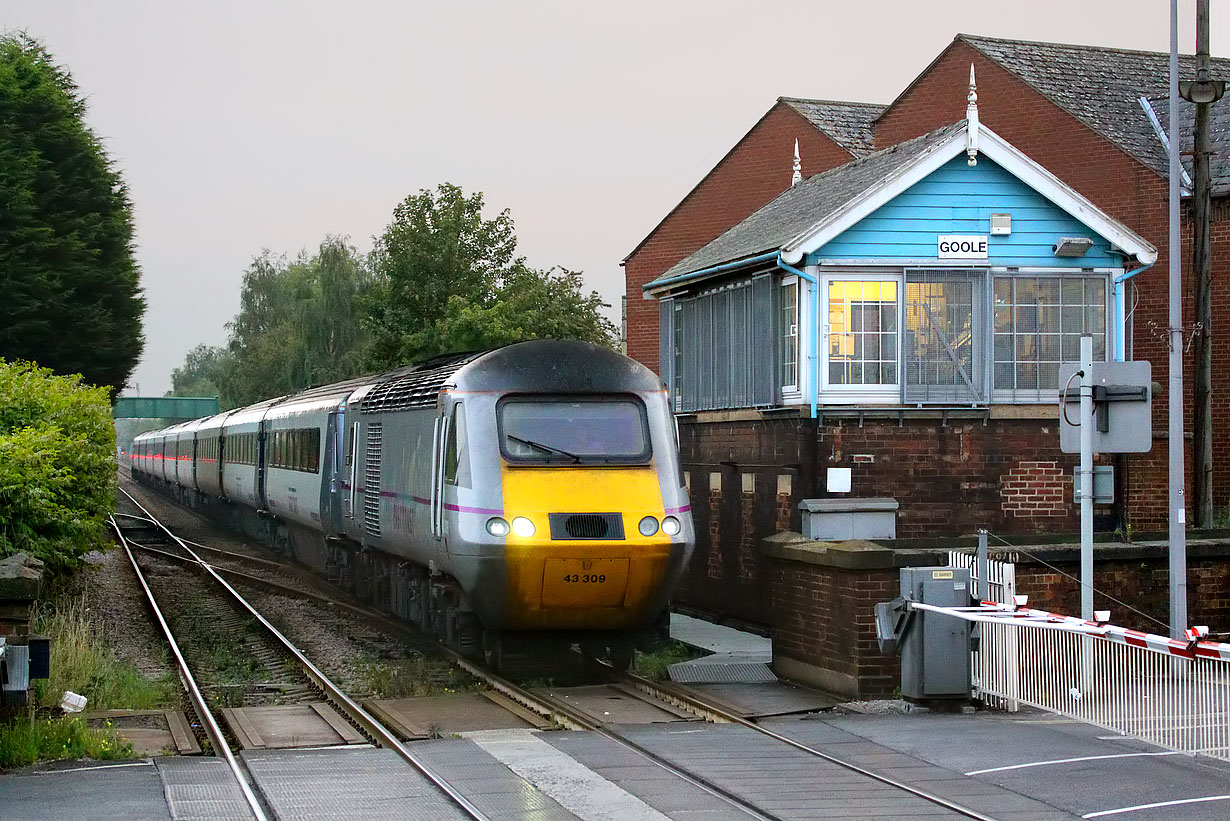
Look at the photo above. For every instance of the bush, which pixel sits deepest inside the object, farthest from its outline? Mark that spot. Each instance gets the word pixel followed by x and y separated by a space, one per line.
pixel 57 465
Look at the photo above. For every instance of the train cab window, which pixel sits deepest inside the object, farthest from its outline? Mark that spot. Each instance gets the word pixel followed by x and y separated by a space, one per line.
pixel 609 430
pixel 457 456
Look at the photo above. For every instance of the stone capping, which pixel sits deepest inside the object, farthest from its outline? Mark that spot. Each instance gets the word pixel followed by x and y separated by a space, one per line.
pixel 843 504
pixel 860 554
pixel 20 577
pixel 855 554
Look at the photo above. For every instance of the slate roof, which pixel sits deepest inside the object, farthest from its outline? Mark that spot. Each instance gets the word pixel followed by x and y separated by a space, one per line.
pixel 1101 87
pixel 811 201
pixel 847 124
pixel 1219 134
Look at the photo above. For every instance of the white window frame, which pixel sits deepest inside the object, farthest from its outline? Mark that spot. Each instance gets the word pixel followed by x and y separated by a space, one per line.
pixel 1013 396
pixel 791 384
pixel 860 394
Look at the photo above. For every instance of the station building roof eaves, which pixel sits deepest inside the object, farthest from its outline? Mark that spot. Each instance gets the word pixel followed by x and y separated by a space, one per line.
pixel 798 208
pixel 1102 87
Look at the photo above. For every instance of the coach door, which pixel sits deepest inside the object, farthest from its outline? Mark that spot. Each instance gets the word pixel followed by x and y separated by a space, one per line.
pixel 332 491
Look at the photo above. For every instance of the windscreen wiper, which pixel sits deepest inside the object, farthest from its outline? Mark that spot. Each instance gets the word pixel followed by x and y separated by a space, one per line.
pixel 542 447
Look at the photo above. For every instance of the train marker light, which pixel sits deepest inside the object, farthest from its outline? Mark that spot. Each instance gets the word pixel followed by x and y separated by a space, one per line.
pixel 648 526
pixel 523 527
pixel 497 526
pixel 671 526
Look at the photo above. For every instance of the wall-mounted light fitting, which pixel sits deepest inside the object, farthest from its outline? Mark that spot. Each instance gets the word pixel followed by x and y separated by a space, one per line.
pixel 1072 246
pixel 1001 225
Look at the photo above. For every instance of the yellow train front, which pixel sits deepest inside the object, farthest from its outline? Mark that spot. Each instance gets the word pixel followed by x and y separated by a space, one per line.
pixel 541 491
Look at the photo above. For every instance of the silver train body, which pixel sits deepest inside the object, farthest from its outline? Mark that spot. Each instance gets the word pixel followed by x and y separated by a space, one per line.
pixel 533 489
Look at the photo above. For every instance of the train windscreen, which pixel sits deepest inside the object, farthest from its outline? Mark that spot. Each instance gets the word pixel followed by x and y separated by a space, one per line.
pixel 559 431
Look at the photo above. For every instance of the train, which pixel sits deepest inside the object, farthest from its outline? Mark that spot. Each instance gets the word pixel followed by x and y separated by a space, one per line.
pixel 509 502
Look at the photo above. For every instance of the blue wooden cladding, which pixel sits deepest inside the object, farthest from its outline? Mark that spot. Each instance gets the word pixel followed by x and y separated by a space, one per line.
pixel 959 199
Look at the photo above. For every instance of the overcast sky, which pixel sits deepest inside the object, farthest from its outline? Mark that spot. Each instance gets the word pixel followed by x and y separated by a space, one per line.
pixel 247 125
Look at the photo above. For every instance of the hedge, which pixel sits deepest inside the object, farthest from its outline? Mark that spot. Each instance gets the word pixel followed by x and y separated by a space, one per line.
pixel 57 465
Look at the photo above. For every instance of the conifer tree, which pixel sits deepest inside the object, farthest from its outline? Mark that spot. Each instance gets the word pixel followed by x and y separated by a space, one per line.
pixel 70 297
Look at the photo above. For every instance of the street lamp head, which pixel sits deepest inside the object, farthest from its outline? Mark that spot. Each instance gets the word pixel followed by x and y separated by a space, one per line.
pixel 1202 91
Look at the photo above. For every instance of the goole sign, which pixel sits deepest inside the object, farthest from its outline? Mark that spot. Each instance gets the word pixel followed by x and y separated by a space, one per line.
pixel 959 246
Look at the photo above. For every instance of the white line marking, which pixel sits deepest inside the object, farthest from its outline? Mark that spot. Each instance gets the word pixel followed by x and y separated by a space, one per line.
pixel 1068 761
pixel 1155 806
pixel 146 763
pixel 572 785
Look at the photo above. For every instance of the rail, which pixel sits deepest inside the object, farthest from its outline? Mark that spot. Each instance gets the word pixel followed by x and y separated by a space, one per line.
pixel 369 724
pixel 216 740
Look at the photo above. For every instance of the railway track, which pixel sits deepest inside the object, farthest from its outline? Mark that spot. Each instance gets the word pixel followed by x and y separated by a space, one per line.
pixel 375 730
pixel 280 578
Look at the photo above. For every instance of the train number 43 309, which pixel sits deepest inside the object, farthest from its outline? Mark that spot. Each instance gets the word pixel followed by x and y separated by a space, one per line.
pixel 585 578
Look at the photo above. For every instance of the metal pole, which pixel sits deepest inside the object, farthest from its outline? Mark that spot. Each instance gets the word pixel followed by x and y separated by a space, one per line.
pixel 1086 478
pixel 1178 512
pixel 984 576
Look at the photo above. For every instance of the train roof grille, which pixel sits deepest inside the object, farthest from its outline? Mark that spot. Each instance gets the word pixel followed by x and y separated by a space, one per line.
pixel 417 388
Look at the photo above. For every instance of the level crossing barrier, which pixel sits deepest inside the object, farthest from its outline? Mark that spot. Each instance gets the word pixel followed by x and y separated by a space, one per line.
pixel 1175 694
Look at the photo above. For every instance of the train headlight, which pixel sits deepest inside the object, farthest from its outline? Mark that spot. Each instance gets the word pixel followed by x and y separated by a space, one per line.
pixel 497 526
pixel 671 526
pixel 648 526
pixel 523 527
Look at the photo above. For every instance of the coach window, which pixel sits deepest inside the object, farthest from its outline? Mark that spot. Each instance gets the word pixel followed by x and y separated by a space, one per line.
pixel 457 457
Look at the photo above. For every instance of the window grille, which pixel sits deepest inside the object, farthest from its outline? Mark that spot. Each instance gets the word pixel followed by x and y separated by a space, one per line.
pixel 1039 321
pixel 726 349
pixel 943 345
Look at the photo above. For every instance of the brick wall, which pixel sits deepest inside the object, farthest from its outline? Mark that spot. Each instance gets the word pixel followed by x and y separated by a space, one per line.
pixel 950 479
pixel 755 171
pixel 1136 575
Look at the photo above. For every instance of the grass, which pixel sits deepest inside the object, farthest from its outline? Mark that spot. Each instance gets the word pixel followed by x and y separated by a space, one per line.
pixel 26 740
pixel 82 662
pixel 653 666
pixel 415 677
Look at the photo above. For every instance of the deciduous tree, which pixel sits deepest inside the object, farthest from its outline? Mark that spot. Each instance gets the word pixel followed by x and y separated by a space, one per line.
pixel 449 279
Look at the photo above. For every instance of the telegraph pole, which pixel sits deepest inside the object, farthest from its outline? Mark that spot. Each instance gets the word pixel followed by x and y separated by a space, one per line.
pixel 1203 92
pixel 1178 511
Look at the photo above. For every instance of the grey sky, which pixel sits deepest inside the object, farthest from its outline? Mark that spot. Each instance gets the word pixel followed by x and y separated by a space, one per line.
pixel 245 125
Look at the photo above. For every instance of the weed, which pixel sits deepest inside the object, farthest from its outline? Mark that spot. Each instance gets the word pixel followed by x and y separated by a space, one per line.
pixel 24 741
pixel 417 677
pixel 653 666
pixel 82 662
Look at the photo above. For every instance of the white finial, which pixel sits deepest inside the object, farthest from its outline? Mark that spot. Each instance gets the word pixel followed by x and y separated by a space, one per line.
pixel 971 117
pixel 797 177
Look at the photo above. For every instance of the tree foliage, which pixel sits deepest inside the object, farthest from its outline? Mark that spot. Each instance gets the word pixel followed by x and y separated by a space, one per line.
pixel 441 278
pixel 298 325
pixel 448 279
pixel 71 295
pixel 205 368
pixel 57 467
